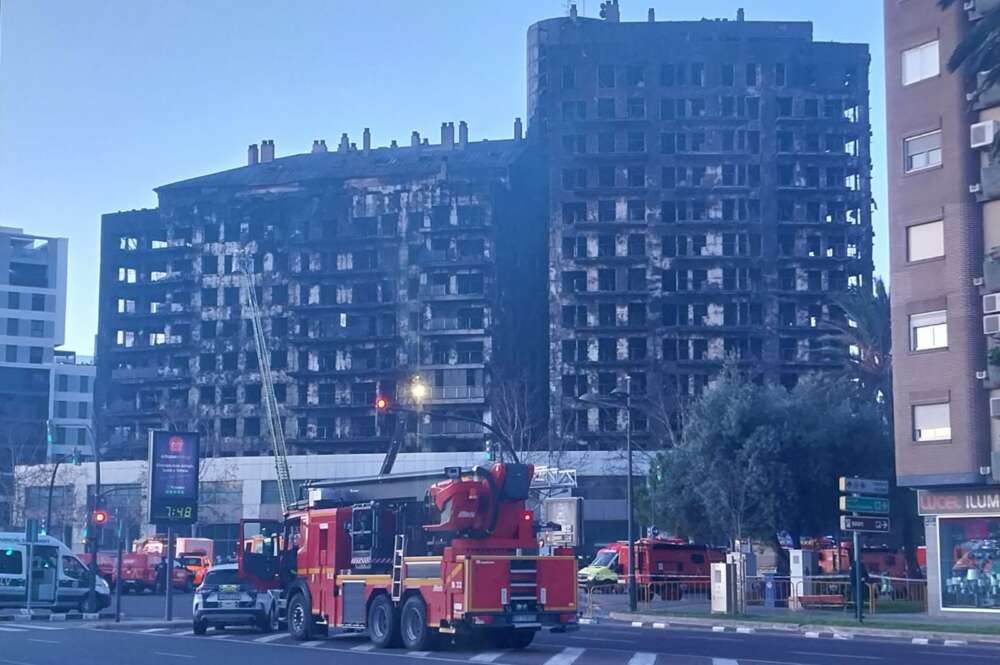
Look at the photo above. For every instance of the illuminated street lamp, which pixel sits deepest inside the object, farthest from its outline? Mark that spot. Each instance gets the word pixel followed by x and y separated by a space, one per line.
pixel 418 389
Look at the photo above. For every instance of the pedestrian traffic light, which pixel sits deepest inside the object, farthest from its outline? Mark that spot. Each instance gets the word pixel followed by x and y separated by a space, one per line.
pixel 381 403
pixel 100 517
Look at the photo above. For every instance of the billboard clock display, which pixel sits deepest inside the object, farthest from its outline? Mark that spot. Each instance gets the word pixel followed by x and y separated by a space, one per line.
pixel 173 477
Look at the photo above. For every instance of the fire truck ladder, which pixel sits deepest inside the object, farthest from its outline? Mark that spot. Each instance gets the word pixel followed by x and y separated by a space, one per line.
pixel 273 417
pixel 398 552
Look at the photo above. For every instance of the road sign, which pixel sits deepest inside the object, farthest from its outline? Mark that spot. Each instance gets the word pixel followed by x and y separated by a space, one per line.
pixel 874 524
pixel 864 504
pixel 864 486
pixel 31 531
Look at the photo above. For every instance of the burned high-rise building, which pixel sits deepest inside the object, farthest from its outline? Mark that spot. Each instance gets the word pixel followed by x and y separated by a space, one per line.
pixel 371 266
pixel 709 197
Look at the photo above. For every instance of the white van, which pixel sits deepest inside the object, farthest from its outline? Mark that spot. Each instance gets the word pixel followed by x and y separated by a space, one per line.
pixel 59 580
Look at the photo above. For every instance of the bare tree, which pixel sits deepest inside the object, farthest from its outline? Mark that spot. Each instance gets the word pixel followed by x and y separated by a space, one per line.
pixel 519 415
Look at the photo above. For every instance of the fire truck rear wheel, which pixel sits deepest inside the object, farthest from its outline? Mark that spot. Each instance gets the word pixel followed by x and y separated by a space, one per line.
pixel 520 639
pixel 300 620
pixel 383 622
pixel 416 634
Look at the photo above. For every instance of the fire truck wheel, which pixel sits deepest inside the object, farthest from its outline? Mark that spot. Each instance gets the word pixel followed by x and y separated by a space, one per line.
pixel 415 632
pixel 520 639
pixel 383 623
pixel 300 620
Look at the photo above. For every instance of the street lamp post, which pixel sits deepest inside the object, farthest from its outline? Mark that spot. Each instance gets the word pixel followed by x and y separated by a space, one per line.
pixel 630 560
pixel 95 536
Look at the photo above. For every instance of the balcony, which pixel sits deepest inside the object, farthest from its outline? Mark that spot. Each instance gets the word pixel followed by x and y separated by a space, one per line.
pixel 989 182
pixel 148 374
pixel 454 325
pixel 991 95
pixel 442 394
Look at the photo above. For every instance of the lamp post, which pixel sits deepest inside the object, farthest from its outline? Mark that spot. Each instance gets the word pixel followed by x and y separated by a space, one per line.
pixel 626 395
pixel 75 457
pixel 93 531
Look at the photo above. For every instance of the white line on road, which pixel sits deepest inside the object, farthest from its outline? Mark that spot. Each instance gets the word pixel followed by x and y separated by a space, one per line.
pixel 839 655
pixel 32 639
pixel 565 657
pixel 919 640
pixel 724 661
pixel 4 629
pixel 420 654
pixel 659 625
pixel 221 636
pixel 955 643
pixel 35 627
pixel 183 633
pixel 642 658
pixel 363 647
pixel 13 662
pixel 745 630
pixel 270 638
pixel 173 655
pixel 153 630
pixel 486 657
pixel 812 635
pixel 311 643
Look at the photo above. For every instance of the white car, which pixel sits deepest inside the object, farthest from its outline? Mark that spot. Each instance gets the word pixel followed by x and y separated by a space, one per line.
pixel 225 599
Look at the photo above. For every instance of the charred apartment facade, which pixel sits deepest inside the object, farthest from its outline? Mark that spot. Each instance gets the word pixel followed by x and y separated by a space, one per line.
pixel 370 266
pixel 709 195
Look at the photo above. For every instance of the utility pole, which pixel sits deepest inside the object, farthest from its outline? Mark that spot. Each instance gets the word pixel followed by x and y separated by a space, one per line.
pixel 632 602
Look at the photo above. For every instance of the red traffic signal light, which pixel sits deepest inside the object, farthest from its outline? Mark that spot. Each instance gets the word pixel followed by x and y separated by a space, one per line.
pixel 381 403
pixel 100 517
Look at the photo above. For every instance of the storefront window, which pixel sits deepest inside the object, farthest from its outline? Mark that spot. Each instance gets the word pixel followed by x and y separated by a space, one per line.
pixel 970 562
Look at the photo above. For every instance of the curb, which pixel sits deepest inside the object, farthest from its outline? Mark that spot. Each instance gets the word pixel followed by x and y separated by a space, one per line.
pixel 812 631
pixel 139 623
pixel 57 617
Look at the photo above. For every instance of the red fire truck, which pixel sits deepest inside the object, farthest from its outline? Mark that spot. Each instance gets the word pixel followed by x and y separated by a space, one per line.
pixel 412 557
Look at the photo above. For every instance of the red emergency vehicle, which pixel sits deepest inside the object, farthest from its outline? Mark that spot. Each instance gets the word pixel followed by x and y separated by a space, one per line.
pixel 410 563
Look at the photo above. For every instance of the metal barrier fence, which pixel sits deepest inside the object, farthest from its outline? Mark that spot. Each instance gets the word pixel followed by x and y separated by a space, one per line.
pixel 834 592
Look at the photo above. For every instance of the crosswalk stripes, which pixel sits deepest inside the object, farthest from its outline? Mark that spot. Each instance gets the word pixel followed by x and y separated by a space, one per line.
pixel 486 657
pixel 565 657
pixel 724 661
pixel 363 647
pixel 312 643
pixel 270 638
pixel 642 658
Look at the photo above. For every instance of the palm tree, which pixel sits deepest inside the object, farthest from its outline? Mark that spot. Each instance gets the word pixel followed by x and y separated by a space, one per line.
pixel 865 332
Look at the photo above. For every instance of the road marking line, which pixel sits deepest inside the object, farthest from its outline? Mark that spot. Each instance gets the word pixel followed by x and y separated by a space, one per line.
pixel 812 635
pixel 955 643
pixel 659 625
pixel 843 636
pixel 183 633
pixel 270 638
pixel 487 657
pixel 220 636
pixel 419 654
pixel 839 655
pixel 642 658
pixel 34 627
pixel 173 655
pixel 718 629
pixel 14 662
pixel 565 657
pixel 30 639
pixel 637 624
pixel 311 643
pixel 4 629
pixel 724 661
pixel 363 647
pixel 746 630
pixel 919 640
pixel 153 630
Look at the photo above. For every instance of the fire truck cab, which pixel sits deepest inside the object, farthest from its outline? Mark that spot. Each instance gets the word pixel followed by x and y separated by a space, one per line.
pixel 410 562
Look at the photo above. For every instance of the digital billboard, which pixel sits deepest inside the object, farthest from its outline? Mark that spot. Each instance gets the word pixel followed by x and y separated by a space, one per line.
pixel 173 477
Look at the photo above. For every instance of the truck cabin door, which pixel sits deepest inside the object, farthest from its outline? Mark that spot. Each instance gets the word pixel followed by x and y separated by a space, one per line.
pixel 258 551
pixel 363 528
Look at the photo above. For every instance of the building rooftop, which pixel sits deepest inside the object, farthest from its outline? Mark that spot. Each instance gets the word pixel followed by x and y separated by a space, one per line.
pixel 352 162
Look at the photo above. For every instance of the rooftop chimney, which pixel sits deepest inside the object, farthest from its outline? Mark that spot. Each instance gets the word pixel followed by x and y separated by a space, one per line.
pixel 366 140
pixel 253 155
pixel 611 12
pixel 267 150
pixel 448 135
pixel 651 15
pixel 463 134
pixel 393 145
pixel 344 143
pixel 740 15
pixel 415 139
pixel 518 130
pixel 319 145
pixel 572 10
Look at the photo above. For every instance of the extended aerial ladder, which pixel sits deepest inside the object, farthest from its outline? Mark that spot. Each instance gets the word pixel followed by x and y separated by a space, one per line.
pixel 272 416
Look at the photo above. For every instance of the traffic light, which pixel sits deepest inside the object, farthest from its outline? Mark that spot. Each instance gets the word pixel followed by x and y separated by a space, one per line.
pixel 381 403
pixel 99 517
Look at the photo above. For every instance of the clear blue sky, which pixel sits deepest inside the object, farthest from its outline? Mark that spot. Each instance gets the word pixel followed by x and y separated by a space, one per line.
pixel 102 100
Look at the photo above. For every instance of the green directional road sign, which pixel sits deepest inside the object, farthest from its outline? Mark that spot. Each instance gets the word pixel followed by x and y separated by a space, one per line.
pixel 864 504
pixel 863 486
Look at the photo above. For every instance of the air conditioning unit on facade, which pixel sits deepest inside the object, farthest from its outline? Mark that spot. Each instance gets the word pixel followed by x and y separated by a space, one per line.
pixel 975 189
pixel 991 324
pixel 991 303
pixel 995 407
pixel 981 133
pixel 978 281
pixel 982 374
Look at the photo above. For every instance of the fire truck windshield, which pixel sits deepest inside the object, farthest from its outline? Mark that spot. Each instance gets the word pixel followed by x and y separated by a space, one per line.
pixel 604 559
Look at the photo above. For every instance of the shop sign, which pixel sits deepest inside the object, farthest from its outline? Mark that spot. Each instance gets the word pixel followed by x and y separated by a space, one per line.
pixel 958 502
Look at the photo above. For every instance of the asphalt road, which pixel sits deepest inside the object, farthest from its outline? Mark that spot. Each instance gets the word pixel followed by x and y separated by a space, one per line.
pixel 43 644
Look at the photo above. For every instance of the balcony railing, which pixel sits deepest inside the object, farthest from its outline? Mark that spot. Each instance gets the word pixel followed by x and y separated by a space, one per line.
pixel 453 324
pixel 457 392
pixel 143 373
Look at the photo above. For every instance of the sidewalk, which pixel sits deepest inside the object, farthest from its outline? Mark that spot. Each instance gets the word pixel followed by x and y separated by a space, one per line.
pixel 914 627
